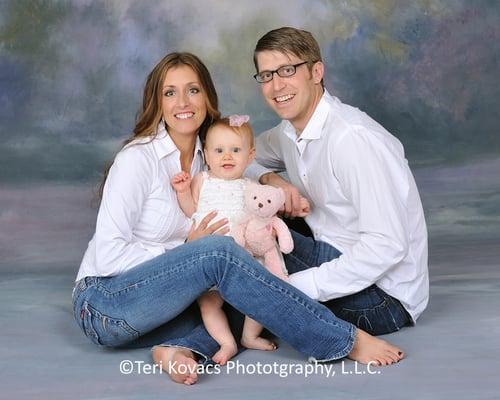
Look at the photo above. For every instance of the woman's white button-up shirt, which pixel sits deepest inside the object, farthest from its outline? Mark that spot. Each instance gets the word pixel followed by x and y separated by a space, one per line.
pixel 139 217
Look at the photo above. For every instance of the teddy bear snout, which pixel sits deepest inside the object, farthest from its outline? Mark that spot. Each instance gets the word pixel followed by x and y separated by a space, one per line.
pixel 261 205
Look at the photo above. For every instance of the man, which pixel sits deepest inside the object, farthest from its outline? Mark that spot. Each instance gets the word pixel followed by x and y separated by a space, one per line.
pixel 367 259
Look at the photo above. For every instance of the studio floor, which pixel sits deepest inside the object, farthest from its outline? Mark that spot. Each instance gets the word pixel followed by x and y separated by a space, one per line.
pixel 452 353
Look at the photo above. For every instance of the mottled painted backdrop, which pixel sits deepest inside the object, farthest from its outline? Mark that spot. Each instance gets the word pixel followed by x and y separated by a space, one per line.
pixel 71 75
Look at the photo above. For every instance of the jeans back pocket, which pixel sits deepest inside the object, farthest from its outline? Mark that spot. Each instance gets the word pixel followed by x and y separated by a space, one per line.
pixel 104 330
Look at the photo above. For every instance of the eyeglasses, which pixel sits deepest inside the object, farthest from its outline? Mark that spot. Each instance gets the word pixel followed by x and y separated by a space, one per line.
pixel 285 71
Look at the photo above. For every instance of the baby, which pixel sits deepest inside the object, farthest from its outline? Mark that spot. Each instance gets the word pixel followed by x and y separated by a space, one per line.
pixel 229 149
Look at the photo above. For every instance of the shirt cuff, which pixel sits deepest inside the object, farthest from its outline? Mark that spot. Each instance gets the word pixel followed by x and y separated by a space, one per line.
pixel 304 281
pixel 254 171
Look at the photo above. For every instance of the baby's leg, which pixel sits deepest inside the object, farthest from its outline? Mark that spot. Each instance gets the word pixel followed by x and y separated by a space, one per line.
pixel 217 326
pixel 251 339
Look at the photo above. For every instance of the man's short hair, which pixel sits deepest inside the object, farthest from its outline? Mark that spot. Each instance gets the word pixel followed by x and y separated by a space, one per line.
pixel 289 41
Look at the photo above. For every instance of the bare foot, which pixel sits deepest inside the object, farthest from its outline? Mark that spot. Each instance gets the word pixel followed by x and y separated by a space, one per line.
pixel 177 362
pixel 225 353
pixel 368 348
pixel 258 343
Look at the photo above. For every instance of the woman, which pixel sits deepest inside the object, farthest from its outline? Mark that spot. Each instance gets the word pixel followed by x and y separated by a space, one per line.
pixel 138 276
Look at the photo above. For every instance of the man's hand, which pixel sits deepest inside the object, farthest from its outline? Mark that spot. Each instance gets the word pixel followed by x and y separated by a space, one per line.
pixel 181 182
pixel 295 204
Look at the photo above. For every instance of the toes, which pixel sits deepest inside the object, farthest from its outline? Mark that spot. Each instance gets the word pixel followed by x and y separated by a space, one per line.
pixel 217 359
pixel 271 347
pixel 380 361
pixel 220 359
pixel 393 349
pixel 396 356
pixel 190 380
pixel 393 358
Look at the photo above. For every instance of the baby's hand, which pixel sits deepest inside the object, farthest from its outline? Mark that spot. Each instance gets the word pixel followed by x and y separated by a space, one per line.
pixel 181 182
pixel 304 207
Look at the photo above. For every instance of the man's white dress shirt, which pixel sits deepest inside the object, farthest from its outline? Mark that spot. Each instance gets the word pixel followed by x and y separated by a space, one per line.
pixel 364 201
pixel 139 217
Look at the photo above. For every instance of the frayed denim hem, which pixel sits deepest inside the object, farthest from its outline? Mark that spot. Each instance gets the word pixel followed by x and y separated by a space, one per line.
pixel 343 353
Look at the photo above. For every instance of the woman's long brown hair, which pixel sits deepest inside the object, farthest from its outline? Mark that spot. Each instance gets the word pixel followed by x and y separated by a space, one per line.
pixel 150 114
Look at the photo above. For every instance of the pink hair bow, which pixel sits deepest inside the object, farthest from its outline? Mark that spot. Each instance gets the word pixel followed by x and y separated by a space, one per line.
pixel 238 120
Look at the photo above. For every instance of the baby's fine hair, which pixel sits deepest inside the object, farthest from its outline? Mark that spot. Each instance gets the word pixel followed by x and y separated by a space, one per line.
pixel 244 130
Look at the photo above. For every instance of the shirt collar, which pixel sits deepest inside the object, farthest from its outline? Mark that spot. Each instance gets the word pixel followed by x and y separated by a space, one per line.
pixel 314 128
pixel 165 146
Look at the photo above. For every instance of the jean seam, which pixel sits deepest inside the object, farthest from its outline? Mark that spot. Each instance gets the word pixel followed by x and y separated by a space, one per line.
pixel 396 325
pixel 173 270
pixel 402 312
pixel 102 318
pixel 282 290
pixel 369 309
pixel 102 288
pixel 118 321
pixel 255 271
pixel 88 328
pixel 217 255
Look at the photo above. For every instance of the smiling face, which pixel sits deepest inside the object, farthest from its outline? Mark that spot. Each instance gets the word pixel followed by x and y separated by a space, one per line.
pixel 293 98
pixel 227 153
pixel 184 104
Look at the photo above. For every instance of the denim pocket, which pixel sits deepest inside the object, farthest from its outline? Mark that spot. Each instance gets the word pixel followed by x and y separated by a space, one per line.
pixel 104 330
pixel 374 311
pixel 372 320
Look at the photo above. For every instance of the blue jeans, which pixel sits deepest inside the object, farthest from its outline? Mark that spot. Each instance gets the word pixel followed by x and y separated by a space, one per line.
pixel 145 304
pixel 372 309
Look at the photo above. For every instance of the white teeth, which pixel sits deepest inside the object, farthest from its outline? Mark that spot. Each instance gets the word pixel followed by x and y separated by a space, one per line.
pixel 284 98
pixel 184 115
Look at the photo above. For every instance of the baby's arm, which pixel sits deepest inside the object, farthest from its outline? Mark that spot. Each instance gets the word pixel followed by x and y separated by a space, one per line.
pixel 196 188
pixel 182 183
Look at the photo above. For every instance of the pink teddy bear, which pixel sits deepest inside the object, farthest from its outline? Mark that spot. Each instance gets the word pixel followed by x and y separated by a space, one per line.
pixel 256 232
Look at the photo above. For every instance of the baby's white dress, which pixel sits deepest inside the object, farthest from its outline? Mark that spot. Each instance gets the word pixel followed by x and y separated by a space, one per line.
pixel 227 198
pixel 224 196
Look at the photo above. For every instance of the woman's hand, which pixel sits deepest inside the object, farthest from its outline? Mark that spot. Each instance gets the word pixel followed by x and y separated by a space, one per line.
pixel 204 229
